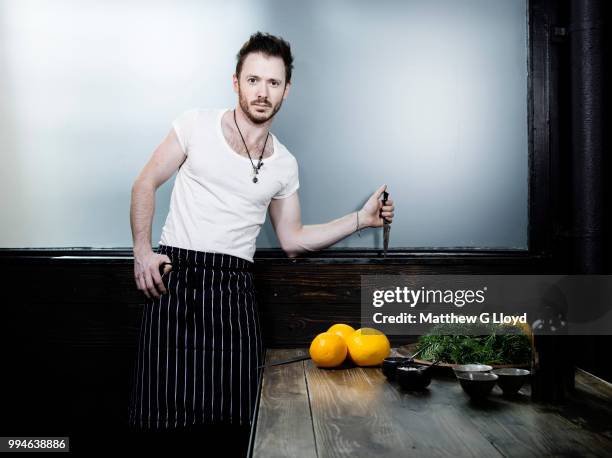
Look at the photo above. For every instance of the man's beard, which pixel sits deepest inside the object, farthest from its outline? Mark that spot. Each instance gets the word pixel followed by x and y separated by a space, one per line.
pixel 246 109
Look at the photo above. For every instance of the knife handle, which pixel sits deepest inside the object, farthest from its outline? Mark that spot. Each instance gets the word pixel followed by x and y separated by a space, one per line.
pixel 384 202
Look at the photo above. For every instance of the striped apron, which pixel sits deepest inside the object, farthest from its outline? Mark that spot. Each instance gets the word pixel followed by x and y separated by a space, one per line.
pixel 200 345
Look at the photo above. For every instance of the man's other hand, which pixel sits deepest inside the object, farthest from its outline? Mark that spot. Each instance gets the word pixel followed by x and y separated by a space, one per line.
pixel 146 273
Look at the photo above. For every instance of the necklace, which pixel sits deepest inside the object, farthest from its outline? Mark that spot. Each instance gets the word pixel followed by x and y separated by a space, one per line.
pixel 259 163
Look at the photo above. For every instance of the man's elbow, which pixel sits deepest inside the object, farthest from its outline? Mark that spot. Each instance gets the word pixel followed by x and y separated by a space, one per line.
pixel 292 251
pixel 291 244
pixel 293 248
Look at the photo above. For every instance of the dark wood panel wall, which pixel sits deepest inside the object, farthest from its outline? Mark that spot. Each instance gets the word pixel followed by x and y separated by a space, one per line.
pixel 70 327
pixel 71 331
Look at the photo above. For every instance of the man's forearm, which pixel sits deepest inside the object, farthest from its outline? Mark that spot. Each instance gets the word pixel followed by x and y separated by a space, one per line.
pixel 141 215
pixel 315 237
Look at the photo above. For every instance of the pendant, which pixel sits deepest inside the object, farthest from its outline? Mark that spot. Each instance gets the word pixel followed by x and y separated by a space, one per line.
pixel 255 172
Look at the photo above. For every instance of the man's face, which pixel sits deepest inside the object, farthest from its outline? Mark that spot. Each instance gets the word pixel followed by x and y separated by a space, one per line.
pixel 262 87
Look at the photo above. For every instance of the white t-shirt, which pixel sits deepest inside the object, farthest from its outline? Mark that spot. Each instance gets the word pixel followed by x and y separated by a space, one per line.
pixel 215 206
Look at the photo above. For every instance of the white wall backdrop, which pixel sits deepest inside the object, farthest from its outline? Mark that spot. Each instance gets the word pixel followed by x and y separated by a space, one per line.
pixel 429 97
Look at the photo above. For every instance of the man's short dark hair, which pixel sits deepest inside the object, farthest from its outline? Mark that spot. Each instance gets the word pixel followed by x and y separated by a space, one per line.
pixel 270 46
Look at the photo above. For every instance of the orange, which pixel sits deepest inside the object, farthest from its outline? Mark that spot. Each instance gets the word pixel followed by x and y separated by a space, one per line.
pixel 368 347
pixel 328 350
pixel 343 330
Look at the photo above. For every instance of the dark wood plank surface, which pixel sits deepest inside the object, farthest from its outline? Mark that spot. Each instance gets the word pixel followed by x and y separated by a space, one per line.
pixel 354 411
pixel 284 406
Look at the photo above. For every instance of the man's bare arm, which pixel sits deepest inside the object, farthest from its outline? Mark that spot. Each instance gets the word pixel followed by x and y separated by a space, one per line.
pixel 296 238
pixel 166 159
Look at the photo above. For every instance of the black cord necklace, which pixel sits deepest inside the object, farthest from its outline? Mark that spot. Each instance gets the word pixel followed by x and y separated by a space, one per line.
pixel 259 163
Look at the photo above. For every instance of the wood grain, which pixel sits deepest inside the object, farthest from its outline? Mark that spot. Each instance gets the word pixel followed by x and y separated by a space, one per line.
pixel 284 425
pixel 356 412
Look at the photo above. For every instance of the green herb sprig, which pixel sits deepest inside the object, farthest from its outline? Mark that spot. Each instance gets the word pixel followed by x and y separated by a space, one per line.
pixel 475 343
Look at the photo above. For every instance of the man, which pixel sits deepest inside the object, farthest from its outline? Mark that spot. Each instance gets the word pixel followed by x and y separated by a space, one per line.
pixel 200 341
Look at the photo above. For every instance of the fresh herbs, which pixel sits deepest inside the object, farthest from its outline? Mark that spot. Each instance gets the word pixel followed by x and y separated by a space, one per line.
pixel 475 343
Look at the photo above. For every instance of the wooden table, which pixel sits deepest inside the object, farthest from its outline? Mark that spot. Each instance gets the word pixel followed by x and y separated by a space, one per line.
pixel 305 411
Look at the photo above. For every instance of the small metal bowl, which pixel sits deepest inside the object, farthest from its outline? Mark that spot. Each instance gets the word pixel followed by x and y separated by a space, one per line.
pixel 511 379
pixel 390 365
pixel 414 377
pixel 467 368
pixel 477 385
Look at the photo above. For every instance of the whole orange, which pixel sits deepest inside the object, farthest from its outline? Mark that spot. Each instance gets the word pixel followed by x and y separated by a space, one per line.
pixel 343 330
pixel 368 347
pixel 328 350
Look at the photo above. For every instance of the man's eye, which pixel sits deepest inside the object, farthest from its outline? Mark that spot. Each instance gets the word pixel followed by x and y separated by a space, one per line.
pixel 274 83
pixel 250 80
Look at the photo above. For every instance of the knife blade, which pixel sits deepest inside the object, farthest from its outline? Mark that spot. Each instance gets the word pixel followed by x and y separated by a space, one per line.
pixel 293 360
pixel 386 226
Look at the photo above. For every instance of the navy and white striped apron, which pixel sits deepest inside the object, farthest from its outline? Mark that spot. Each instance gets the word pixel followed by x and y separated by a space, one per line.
pixel 200 344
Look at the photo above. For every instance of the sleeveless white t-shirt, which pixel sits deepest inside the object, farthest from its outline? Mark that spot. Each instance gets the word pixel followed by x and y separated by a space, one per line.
pixel 215 206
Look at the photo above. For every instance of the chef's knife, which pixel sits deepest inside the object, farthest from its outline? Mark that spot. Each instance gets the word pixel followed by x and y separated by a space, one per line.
pixel 305 357
pixel 386 226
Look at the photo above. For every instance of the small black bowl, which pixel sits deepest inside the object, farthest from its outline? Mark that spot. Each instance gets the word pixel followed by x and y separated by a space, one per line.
pixel 511 379
pixel 413 377
pixel 477 385
pixel 391 363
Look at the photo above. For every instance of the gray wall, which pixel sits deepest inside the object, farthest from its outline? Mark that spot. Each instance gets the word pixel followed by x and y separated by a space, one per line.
pixel 428 97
